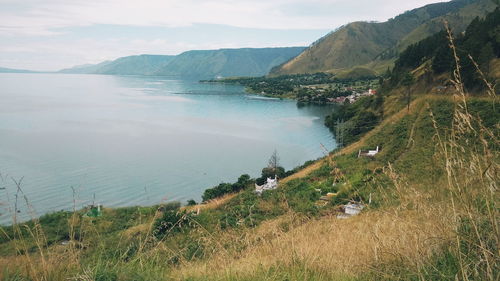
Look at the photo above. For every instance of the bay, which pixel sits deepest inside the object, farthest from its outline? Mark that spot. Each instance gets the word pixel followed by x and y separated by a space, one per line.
pixel 134 140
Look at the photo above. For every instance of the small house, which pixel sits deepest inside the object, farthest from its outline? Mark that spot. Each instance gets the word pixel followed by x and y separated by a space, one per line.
pixel 369 153
pixel 269 185
pixel 351 209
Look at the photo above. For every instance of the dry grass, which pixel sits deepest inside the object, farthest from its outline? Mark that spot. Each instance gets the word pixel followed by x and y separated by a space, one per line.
pixel 55 265
pixel 329 244
pixel 212 204
pixel 304 172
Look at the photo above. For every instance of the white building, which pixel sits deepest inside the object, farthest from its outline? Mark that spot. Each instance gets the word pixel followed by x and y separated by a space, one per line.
pixel 269 185
pixel 369 153
pixel 351 209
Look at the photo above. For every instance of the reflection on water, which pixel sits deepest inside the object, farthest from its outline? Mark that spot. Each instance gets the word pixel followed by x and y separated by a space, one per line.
pixel 131 140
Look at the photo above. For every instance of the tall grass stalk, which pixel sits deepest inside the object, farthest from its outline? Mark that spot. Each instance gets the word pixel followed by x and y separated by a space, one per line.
pixel 470 157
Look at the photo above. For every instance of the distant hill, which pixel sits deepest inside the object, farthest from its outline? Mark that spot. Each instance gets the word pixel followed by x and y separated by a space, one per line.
pixel 85 68
pixel 131 65
pixel 228 62
pixel 11 70
pixel 376 45
pixel 196 64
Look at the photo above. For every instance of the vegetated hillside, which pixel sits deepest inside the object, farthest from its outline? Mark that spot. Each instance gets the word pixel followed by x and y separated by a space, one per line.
pixel 426 66
pixel 131 65
pixel 135 65
pixel 228 62
pixel 11 70
pixel 376 45
pixel 479 44
pixel 207 64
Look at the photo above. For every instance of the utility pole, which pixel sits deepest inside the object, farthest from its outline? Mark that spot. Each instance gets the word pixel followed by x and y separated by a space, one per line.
pixel 339 133
pixel 408 81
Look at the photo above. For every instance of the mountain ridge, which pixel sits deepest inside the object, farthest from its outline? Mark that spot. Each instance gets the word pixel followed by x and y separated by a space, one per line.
pixel 375 45
pixel 13 70
pixel 200 64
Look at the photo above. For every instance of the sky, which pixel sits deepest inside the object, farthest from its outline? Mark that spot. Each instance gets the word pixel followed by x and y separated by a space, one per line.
pixel 55 34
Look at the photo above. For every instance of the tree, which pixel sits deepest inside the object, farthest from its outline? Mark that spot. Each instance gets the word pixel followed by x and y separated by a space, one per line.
pixel 408 80
pixel 274 161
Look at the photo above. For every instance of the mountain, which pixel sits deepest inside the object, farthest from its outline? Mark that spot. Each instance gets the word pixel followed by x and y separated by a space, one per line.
pixel 85 68
pixel 376 45
pixel 11 70
pixel 203 64
pixel 228 62
pixel 135 65
pixel 131 65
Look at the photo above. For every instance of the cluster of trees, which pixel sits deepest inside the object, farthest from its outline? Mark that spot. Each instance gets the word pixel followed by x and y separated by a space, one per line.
pixel 321 95
pixel 225 188
pixel 173 220
pixel 293 85
pixel 481 41
pixel 350 121
pixel 307 95
pixel 281 85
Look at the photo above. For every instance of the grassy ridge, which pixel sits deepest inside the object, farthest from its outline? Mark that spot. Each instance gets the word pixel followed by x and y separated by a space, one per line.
pixel 375 45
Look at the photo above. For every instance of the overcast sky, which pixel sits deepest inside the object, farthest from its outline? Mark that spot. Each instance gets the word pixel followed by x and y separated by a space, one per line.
pixel 54 34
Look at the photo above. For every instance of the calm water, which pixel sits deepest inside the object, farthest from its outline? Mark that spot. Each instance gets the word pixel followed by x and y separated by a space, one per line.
pixel 140 140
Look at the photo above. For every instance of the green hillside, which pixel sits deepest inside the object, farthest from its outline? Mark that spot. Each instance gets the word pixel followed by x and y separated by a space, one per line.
pixel 131 65
pixel 228 62
pixel 204 64
pixel 376 45
pixel 135 65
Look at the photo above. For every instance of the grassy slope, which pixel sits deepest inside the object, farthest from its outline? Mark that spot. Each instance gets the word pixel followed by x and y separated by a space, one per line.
pixel 410 225
pixel 360 44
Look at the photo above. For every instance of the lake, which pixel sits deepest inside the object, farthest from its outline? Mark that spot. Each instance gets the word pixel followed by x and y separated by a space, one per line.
pixel 132 140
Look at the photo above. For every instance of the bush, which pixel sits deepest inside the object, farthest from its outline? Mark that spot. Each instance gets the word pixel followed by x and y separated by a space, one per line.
pixel 226 188
pixel 173 220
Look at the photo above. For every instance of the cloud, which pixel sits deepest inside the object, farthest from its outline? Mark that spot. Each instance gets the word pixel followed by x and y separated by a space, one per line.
pixel 37 17
pixel 54 34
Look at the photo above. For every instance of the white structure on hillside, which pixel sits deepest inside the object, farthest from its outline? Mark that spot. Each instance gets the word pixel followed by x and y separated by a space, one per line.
pixel 351 209
pixel 269 185
pixel 369 153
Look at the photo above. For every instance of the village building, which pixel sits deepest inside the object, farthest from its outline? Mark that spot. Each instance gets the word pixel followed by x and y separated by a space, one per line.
pixel 269 185
pixel 351 209
pixel 369 153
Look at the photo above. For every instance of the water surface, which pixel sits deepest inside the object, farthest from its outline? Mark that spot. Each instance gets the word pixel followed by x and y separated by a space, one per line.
pixel 130 140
